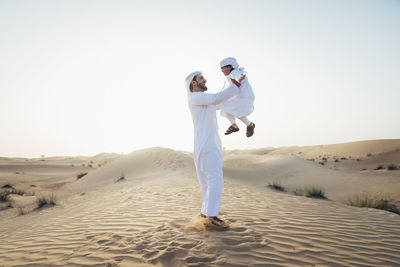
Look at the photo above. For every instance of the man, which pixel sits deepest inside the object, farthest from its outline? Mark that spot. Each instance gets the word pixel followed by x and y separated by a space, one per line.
pixel 207 143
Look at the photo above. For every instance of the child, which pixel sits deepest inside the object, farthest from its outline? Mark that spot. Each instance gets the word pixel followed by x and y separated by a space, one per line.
pixel 240 105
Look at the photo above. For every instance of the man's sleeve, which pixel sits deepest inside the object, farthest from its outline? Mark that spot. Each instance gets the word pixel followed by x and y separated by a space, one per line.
pixel 202 99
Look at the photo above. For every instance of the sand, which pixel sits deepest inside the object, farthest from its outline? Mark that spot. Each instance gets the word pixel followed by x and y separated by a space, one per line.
pixel 149 218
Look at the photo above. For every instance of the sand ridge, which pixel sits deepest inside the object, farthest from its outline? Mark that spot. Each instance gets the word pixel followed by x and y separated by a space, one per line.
pixel 150 217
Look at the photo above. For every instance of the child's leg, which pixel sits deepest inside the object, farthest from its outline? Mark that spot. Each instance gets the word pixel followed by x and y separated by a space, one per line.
pixel 250 126
pixel 230 118
pixel 245 120
pixel 233 128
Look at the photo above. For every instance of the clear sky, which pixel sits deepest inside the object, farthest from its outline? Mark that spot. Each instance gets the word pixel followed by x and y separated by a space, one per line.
pixel 84 77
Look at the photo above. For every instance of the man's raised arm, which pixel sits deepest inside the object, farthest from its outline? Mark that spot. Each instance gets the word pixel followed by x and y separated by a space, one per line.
pixel 214 99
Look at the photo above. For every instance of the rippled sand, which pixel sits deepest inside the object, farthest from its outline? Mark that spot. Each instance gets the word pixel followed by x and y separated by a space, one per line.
pixel 150 219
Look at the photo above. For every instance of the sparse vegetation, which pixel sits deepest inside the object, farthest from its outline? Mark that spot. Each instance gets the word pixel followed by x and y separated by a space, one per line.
pixel 121 178
pixel 3 195
pixel 324 159
pixel 392 167
pixel 12 190
pixel 315 192
pixel 90 166
pixel 337 160
pixel 321 162
pixel 369 155
pixel 80 175
pixel 46 200
pixel 379 167
pixel 375 202
pixel 277 187
pixel 343 158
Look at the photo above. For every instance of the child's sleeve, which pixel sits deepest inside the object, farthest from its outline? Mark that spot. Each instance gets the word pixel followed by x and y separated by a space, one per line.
pixel 202 99
pixel 236 74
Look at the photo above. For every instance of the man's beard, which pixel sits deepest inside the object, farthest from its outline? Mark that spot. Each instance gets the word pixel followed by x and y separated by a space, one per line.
pixel 202 86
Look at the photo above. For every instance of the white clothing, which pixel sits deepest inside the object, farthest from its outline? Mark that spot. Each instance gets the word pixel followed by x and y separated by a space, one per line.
pixel 236 74
pixel 232 119
pixel 189 79
pixel 229 61
pixel 242 104
pixel 207 145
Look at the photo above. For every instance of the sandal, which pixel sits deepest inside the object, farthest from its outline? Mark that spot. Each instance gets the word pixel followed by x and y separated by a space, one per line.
pixel 216 223
pixel 250 129
pixel 231 129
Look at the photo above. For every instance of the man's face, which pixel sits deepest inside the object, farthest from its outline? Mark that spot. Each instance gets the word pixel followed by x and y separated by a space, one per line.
pixel 226 70
pixel 201 82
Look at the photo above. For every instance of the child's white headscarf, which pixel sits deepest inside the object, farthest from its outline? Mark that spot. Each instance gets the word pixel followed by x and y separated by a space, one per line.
pixel 229 61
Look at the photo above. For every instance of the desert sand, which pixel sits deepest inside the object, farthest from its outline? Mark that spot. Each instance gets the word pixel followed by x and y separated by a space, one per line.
pixel 141 209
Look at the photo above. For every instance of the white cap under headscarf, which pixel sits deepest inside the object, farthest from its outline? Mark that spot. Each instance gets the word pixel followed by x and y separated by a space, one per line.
pixel 189 79
pixel 229 61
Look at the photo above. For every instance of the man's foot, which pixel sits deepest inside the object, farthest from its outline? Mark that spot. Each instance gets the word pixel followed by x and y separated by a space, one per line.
pixel 233 128
pixel 250 129
pixel 216 223
pixel 202 215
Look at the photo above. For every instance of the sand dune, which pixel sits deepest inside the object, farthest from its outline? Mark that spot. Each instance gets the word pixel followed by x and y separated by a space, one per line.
pixel 150 217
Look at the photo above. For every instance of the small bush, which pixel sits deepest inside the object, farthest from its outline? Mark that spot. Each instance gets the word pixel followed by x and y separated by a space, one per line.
pixel 375 202
pixel 337 160
pixel 379 167
pixel 324 159
pixel 121 178
pixel 343 158
pixel 3 195
pixel 369 155
pixel 322 163
pixel 80 175
pixel 392 167
pixel 277 187
pixel 315 192
pixel 49 200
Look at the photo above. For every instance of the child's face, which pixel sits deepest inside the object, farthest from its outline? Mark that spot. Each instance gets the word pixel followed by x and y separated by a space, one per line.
pixel 226 70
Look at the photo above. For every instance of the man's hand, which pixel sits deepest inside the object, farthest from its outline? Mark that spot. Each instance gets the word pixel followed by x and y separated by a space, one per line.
pixel 242 78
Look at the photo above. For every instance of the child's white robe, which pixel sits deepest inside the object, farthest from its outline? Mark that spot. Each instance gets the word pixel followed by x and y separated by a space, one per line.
pixel 241 104
pixel 207 146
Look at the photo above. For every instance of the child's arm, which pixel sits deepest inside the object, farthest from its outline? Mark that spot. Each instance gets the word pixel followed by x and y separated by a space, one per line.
pixel 237 75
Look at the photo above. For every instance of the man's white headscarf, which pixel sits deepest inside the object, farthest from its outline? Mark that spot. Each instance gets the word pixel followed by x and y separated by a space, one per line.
pixel 189 79
pixel 229 61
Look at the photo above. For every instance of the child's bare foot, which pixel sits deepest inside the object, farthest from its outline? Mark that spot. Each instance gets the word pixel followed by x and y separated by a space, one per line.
pixel 233 128
pixel 250 129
